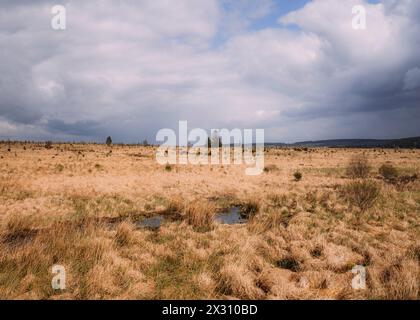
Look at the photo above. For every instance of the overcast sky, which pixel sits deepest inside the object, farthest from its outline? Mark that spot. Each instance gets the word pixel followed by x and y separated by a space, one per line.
pixel 125 68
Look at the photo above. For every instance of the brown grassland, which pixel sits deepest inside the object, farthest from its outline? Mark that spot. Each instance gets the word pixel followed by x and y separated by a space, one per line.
pixel 77 205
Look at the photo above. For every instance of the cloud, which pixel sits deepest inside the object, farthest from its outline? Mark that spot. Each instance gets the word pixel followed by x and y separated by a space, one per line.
pixel 240 14
pixel 412 79
pixel 78 128
pixel 129 68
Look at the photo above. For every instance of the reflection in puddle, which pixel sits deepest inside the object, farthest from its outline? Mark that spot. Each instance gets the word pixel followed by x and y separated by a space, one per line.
pixel 151 223
pixel 234 216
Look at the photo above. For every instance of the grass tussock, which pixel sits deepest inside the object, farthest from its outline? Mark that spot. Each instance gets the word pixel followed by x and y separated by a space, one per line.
pixel 175 205
pixel 200 215
pixel 271 219
pixel 397 281
pixel 124 233
pixel 250 207
pixel 238 281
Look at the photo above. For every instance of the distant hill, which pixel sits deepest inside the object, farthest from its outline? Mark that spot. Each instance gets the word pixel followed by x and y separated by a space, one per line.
pixel 356 143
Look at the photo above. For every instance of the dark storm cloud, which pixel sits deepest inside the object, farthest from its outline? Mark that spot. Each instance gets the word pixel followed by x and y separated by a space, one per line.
pixel 86 128
pixel 129 68
pixel 19 114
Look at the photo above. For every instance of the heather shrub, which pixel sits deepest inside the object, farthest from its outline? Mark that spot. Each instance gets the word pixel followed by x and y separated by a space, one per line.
pixel 388 172
pixel 358 167
pixel 361 193
pixel 297 175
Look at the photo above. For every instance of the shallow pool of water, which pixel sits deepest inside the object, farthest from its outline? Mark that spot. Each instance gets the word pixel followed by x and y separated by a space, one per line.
pixel 233 216
pixel 151 223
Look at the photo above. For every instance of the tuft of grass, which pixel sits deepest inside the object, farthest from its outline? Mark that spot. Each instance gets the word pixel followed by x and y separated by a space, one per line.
pixel 397 281
pixel 271 218
pixel 124 234
pixel 200 215
pixel 250 208
pixel 175 206
pixel 168 168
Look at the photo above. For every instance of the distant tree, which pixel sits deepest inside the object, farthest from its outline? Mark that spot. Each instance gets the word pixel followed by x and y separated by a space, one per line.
pixel 108 141
pixel 48 145
pixel 145 143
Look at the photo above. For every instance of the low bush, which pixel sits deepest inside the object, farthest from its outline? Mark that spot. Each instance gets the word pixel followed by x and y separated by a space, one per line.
pixel 358 167
pixel 388 172
pixel 361 193
pixel 297 175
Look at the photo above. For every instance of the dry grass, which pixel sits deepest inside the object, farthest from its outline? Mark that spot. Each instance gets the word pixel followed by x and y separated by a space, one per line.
pixel 124 234
pixel 200 215
pixel 75 205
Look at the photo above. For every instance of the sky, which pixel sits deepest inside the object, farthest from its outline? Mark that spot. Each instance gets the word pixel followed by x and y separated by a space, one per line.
pixel 295 68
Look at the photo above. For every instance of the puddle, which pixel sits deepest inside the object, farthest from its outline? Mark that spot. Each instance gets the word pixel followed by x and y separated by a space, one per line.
pixel 151 223
pixel 234 216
